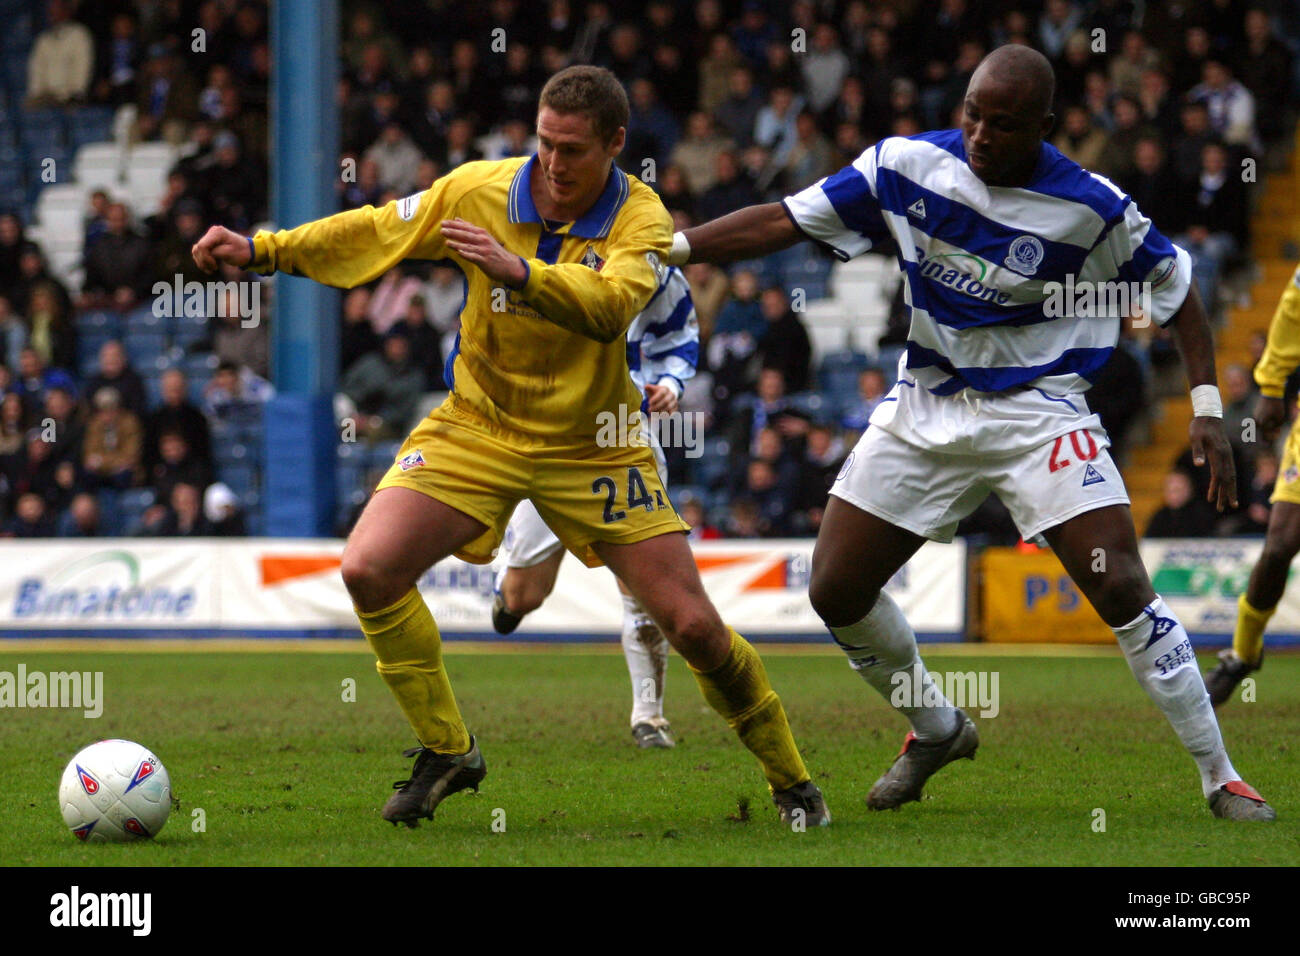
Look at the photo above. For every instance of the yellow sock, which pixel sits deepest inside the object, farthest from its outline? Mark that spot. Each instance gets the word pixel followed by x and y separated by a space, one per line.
pixel 738 689
pixel 1248 638
pixel 405 639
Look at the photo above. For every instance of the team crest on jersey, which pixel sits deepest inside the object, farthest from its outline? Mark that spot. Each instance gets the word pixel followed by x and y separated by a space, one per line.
pixel 656 266
pixel 1291 474
pixel 1164 271
pixel 88 783
pixel 142 773
pixel 1025 255
pixel 591 260
pixel 1091 476
pixel 844 468
pixel 407 207
pixel 414 460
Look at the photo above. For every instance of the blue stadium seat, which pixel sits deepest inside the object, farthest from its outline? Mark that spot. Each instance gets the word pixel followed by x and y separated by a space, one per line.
pixel 712 468
pixel 99 322
pixel 241 478
pixel 144 348
pixel 382 454
pixel 188 331
pixel 839 371
pixel 142 319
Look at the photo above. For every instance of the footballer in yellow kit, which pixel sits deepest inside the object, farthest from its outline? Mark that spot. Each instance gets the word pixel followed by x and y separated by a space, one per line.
pixel 533 367
pixel 560 250
pixel 1282 541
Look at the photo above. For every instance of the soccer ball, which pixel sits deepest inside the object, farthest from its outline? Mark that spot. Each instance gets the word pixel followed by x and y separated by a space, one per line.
pixel 114 791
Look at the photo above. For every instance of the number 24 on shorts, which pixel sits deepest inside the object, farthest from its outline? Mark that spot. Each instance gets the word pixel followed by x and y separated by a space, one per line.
pixel 1084 451
pixel 638 495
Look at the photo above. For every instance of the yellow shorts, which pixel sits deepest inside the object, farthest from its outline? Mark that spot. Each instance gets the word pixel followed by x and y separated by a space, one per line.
pixel 1287 486
pixel 584 492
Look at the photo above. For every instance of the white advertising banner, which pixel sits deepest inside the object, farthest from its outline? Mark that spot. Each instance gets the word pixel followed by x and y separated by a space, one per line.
pixel 278 586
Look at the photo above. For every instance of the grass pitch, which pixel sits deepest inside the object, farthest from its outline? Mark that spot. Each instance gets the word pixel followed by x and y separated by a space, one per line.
pixel 286 771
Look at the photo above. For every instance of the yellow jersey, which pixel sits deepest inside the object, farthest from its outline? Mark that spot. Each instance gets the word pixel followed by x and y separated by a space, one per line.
pixel 1282 354
pixel 543 360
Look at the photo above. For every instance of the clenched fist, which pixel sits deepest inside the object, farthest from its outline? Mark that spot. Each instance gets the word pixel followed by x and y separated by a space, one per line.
pixel 221 246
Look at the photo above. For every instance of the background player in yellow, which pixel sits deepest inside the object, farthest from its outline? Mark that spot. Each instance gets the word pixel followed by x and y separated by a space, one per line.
pixel 1281 543
pixel 573 249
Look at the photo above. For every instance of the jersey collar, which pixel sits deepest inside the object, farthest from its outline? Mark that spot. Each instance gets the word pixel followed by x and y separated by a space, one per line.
pixel 595 223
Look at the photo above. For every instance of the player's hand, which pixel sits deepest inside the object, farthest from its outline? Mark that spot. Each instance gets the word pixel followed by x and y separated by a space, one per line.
pixel 1209 440
pixel 1270 413
pixel 661 398
pixel 221 246
pixel 480 247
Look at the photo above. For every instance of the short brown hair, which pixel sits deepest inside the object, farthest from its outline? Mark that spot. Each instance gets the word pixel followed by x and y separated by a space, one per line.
pixel 592 90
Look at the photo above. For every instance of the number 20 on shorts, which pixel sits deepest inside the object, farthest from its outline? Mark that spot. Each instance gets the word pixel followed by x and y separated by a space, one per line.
pixel 1084 451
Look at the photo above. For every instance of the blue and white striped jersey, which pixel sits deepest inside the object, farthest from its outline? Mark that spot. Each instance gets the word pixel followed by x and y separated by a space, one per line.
pixel 976 260
pixel 663 341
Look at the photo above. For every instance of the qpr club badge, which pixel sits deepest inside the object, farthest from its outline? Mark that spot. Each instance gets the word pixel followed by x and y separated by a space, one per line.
pixel 1025 255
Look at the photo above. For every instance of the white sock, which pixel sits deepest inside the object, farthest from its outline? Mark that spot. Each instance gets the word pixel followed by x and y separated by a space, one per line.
pixel 1160 655
pixel 881 646
pixel 646 650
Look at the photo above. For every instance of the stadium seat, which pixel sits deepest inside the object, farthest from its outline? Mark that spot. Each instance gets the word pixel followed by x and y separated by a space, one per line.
pixel 241 478
pixel 60 209
pixel 144 347
pixel 99 166
pixel 146 175
pixel 189 331
pixel 98 322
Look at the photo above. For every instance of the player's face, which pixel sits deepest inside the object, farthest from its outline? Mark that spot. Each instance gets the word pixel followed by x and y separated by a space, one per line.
pixel 574 160
pixel 1001 131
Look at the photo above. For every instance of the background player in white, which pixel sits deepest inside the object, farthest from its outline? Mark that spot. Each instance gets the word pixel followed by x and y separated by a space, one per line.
pixel 663 348
pixel 990 396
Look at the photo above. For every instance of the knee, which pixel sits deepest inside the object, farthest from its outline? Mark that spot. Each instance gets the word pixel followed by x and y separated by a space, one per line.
pixel 1122 593
pixel 837 600
pixel 521 594
pixel 370 585
pixel 1278 552
pixel 698 634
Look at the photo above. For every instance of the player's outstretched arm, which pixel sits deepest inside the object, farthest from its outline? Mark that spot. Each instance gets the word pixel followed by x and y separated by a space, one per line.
pixel 747 233
pixel 1191 332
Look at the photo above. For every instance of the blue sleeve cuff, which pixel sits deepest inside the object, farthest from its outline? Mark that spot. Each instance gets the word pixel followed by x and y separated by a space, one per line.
pixel 527 274
pixel 252 252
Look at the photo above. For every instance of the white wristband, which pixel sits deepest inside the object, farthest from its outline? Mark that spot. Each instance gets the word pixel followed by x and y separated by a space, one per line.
pixel 681 250
pixel 1206 402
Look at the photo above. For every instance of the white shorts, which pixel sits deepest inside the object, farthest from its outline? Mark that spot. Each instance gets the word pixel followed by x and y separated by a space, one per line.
pixel 928 461
pixel 529 541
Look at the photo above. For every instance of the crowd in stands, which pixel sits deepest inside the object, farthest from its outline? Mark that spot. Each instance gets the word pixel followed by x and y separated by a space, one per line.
pixel 732 103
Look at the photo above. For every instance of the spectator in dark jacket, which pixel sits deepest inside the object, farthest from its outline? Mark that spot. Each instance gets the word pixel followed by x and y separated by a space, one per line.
pixel 31 519
pixel 1183 515
pixel 119 267
pixel 177 464
pixel 115 371
pixel 785 344
pixel 176 414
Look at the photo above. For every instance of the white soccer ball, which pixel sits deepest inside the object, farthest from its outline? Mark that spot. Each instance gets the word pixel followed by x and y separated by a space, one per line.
pixel 114 791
